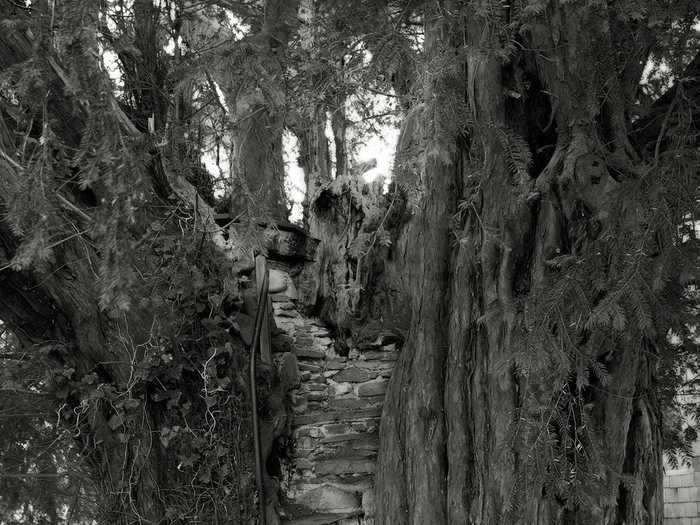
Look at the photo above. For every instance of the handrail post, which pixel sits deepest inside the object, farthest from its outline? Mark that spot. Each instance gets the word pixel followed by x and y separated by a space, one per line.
pixel 263 283
pixel 260 270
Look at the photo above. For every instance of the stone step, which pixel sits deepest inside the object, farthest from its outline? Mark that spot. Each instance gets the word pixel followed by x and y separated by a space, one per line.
pixel 305 365
pixel 347 482
pixel 285 313
pixel 325 519
pixel 353 403
pixel 336 364
pixel 324 500
pixel 380 356
pixel 363 427
pixel 337 415
pixel 352 436
pixel 341 465
pixel 337 407
pixel 305 351
pixel 373 388
pixel 353 374
pixel 374 365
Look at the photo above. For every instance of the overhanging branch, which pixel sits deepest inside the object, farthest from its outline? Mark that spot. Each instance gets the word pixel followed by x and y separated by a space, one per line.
pixel 686 90
pixel 16 47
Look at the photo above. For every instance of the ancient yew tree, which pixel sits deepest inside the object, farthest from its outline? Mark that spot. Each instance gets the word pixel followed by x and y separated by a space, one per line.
pixel 550 258
pixel 535 253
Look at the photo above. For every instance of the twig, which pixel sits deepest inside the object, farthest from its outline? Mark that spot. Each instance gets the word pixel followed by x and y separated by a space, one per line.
pixel 68 204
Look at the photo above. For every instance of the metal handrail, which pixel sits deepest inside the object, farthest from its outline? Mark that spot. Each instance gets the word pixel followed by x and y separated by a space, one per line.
pixel 259 316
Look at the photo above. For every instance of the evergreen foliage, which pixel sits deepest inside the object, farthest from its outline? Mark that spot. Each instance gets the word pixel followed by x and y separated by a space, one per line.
pixel 127 317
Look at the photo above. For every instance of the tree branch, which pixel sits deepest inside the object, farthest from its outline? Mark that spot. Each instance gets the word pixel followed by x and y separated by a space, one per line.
pixel 19 47
pixel 14 357
pixel 649 130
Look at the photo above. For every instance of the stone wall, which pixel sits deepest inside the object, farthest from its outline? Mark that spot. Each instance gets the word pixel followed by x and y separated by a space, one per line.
pixel 329 475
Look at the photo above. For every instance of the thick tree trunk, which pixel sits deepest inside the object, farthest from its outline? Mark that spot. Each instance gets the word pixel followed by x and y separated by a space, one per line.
pixel 84 340
pixel 339 125
pixel 497 411
pixel 105 353
pixel 251 77
pixel 315 161
pixel 257 166
pixel 258 118
pixel 412 474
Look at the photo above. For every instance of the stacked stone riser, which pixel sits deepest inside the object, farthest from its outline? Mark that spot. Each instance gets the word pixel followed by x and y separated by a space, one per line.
pixel 330 474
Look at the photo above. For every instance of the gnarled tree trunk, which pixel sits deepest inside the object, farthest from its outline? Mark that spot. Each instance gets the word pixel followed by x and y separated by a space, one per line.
pixel 514 401
pixel 257 100
pixel 60 279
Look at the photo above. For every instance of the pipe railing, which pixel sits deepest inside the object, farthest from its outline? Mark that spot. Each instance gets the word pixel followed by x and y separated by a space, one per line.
pixel 260 316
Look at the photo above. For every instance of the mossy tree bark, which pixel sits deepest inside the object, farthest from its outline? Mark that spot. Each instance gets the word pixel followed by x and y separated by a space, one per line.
pixel 99 356
pixel 514 401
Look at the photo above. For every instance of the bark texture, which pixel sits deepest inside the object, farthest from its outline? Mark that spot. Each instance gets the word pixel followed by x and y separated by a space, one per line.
pixel 258 102
pixel 58 304
pixel 250 74
pixel 412 476
pixel 539 177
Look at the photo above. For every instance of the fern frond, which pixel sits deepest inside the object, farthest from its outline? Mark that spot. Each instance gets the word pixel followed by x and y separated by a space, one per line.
pixel 517 152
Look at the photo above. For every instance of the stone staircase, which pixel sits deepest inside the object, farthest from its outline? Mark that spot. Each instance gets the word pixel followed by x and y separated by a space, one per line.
pixel 329 475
